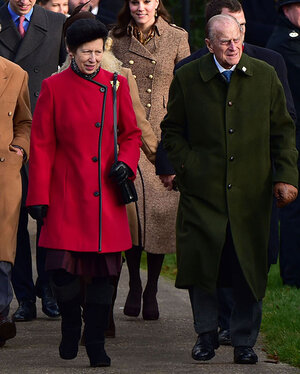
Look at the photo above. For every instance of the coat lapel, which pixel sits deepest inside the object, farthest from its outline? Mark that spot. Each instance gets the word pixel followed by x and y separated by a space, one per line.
pixel 9 35
pixel 35 34
pixel 138 48
pixel 3 77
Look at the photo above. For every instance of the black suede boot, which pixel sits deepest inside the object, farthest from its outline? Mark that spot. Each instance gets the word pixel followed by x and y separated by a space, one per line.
pixel 70 329
pixel 66 288
pixel 96 322
pixel 98 299
pixel 150 305
pixel 132 306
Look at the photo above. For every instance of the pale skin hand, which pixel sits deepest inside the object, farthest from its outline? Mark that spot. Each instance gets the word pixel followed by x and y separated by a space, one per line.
pixel 167 181
pixel 284 193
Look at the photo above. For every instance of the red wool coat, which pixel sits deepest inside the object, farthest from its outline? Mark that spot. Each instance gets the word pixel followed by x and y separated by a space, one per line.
pixel 72 152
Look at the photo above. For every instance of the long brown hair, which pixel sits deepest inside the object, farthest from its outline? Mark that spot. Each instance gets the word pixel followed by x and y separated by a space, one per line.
pixel 124 17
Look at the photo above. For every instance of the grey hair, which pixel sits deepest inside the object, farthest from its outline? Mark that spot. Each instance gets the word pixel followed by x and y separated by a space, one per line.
pixel 211 32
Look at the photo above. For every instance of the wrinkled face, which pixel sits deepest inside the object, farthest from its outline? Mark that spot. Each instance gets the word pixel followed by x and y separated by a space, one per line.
pixel 57 6
pixel 88 56
pixel 226 43
pixel 239 16
pixel 292 12
pixel 21 7
pixel 143 12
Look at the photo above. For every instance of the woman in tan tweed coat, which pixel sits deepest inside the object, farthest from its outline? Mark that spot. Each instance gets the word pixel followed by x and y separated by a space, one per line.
pixel 145 41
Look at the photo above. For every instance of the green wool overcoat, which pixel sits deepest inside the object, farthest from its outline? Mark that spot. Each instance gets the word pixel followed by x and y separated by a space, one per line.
pixel 221 139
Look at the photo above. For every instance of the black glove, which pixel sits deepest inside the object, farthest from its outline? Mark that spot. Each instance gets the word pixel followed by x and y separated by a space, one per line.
pixel 120 172
pixel 38 212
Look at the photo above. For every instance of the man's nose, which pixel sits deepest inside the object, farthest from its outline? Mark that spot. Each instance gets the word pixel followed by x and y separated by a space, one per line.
pixel 232 45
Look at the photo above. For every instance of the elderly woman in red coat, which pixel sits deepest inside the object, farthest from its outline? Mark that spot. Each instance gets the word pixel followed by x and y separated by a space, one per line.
pixel 73 185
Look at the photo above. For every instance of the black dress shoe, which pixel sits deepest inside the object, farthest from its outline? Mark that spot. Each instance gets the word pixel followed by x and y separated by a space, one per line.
pixel 205 346
pixel 49 304
pixel 7 329
pixel 224 337
pixel 245 355
pixel 25 312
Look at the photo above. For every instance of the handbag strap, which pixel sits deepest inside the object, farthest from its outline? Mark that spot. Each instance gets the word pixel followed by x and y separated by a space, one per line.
pixel 115 115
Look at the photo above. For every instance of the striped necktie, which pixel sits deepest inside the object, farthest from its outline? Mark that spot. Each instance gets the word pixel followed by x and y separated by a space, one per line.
pixel 21 26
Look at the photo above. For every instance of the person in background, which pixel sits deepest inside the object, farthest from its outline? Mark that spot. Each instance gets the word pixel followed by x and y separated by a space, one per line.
pixel 105 11
pixel 74 186
pixel 286 40
pixel 228 160
pixel 146 42
pixel 234 8
pixel 32 38
pixel 57 6
pixel 15 124
pixel 261 19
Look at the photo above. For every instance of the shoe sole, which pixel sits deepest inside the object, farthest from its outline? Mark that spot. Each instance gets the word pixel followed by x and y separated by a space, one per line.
pixel 246 362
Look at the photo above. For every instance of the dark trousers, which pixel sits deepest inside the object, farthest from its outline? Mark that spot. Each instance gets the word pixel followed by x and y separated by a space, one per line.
pixel 6 292
pixel 290 243
pixel 22 279
pixel 246 312
pixel 225 295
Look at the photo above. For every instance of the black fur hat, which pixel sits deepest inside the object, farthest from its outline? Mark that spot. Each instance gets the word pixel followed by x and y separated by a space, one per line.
pixel 84 31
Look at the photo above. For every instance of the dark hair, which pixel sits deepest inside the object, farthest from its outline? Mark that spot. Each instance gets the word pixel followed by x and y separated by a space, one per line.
pixel 42 2
pixel 124 18
pixel 83 31
pixel 214 7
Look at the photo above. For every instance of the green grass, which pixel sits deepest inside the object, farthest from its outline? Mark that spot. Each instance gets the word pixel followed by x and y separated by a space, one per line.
pixel 281 320
pixel 281 314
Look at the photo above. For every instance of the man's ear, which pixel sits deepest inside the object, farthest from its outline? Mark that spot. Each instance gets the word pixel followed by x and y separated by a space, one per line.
pixel 209 45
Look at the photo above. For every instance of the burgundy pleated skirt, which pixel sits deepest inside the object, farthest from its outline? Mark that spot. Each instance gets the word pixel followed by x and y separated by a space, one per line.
pixel 88 264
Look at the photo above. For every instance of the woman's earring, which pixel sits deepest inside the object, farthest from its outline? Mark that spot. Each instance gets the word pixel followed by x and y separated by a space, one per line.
pixel 156 15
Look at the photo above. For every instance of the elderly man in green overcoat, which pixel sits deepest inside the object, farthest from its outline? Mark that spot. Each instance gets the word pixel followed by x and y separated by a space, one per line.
pixel 226 124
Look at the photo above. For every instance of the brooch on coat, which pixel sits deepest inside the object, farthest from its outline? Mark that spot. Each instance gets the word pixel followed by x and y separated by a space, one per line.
pixel 117 84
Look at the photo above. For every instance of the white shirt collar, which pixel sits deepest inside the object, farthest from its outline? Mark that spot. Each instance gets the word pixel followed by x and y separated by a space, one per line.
pixel 221 69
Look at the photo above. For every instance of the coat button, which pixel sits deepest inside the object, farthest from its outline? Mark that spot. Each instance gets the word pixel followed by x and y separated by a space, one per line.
pixel 96 193
pixel 10 114
pixel 231 158
pixel 150 76
pixel 131 62
pixel 230 103
pixel 97 124
pixel 36 94
pixel 2 159
pixel 229 186
pixel 148 105
pixel 36 69
pixel 231 131
pixel 149 90
pixel 153 62
pixel 95 159
pixel 102 89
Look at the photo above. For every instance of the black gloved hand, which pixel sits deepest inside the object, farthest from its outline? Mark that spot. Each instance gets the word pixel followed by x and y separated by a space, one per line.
pixel 119 172
pixel 38 212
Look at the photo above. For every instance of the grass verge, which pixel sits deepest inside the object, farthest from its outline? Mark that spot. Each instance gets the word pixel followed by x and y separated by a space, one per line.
pixel 281 320
pixel 281 314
